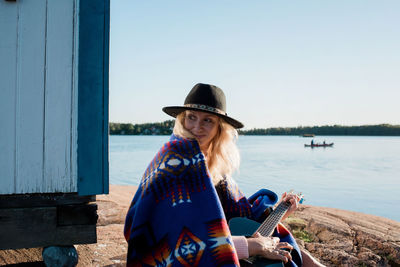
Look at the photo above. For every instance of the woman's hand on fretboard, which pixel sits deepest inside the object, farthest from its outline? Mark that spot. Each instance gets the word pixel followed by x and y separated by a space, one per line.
pixel 294 200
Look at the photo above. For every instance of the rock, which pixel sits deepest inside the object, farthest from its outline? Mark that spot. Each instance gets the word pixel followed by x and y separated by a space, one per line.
pixel 109 213
pixel 346 238
pixel 65 256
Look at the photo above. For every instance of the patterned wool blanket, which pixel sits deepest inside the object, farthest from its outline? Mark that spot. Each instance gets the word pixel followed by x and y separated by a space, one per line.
pixel 176 217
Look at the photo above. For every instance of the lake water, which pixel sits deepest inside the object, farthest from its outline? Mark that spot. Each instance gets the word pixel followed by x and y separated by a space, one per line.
pixel 357 173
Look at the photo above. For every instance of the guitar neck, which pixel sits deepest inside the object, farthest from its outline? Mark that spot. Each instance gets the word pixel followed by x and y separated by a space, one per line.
pixel 268 226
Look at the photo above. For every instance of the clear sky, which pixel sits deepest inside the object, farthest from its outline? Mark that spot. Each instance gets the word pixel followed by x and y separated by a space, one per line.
pixel 280 63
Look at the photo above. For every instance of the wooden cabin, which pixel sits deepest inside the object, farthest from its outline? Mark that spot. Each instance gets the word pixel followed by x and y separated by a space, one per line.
pixel 54 120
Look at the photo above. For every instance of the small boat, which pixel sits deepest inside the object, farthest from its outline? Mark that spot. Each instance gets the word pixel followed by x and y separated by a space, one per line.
pixel 308 135
pixel 319 145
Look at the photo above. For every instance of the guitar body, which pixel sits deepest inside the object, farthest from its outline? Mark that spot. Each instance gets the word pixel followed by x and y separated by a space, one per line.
pixel 243 226
pixel 247 227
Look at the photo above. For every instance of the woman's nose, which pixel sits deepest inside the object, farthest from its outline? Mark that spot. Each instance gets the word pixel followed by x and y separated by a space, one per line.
pixel 197 125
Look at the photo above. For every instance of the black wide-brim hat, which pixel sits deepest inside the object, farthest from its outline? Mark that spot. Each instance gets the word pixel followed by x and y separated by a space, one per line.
pixel 207 98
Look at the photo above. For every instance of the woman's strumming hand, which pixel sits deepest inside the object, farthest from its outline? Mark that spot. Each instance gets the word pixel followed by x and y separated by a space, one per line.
pixel 268 247
pixel 294 200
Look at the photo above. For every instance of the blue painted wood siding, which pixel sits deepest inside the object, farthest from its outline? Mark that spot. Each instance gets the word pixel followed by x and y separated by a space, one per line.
pixel 38 96
pixel 94 25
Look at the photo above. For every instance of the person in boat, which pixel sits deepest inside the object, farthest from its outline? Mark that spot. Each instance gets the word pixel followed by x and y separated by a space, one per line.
pixel 179 214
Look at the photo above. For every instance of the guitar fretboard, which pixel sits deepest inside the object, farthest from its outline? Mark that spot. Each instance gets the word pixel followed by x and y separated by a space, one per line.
pixel 268 226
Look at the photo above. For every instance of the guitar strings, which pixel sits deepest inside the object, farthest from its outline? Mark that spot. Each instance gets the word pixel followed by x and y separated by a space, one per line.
pixel 268 226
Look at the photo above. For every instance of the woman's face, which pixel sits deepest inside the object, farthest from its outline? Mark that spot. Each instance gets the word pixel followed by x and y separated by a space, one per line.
pixel 203 125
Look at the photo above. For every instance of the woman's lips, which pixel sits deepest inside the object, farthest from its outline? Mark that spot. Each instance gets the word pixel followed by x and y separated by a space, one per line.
pixel 199 136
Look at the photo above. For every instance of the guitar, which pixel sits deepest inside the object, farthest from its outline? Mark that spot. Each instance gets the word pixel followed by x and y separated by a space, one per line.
pixel 246 227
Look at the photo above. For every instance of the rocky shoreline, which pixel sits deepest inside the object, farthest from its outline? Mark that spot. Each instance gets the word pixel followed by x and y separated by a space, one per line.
pixel 335 237
pixel 345 238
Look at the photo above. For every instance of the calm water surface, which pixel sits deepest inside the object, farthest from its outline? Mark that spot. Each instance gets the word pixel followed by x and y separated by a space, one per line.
pixel 357 173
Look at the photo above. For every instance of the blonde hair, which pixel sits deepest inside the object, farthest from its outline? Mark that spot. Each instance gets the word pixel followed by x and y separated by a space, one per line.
pixel 223 157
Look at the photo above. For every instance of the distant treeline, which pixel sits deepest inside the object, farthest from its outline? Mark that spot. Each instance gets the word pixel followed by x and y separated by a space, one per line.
pixel 158 128
pixel 379 130
pixel 165 128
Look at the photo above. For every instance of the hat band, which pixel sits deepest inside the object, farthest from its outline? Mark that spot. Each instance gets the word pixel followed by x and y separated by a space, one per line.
pixel 205 108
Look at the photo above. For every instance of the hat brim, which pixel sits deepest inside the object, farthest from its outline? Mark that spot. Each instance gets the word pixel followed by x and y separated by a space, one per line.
pixel 175 110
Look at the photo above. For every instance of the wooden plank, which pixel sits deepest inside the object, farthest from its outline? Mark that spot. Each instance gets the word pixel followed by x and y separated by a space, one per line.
pixel 43 200
pixel 37 227
pixel 8 75
pixel 92 117
pixel 22 227
pixel 30 96
pixel 77 214
pixel 58 97
pixel 73 235
pixel 62 236
pixel 74 101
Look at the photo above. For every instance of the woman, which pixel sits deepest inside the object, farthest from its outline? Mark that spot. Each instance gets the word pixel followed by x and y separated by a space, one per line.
pixel 179 214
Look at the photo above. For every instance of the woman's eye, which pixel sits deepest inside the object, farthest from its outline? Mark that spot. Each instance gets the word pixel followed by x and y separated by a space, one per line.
pixel 191 117
pixel 208 120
